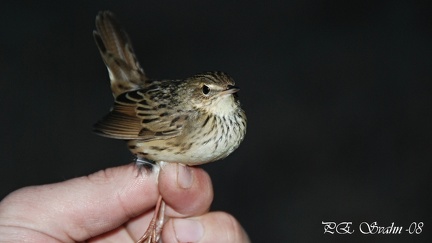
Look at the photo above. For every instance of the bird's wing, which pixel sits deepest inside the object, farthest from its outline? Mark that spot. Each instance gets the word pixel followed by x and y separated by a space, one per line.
pixel 136 116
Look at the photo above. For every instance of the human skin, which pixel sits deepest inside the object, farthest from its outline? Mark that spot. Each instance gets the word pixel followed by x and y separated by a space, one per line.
pixel 116 205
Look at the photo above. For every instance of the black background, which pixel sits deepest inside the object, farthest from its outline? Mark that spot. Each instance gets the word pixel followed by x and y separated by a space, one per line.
pixel 337 94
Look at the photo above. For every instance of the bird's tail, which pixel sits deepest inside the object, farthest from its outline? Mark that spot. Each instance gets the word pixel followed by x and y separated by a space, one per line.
pixel 116 50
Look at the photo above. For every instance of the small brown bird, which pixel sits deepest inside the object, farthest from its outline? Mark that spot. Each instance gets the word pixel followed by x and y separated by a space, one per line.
pixel 190 121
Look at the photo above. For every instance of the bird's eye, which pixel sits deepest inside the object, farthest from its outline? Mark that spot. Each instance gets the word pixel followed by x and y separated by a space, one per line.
pixel 205 89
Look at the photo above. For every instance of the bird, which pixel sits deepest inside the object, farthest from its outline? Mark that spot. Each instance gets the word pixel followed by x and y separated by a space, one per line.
pixel 191 121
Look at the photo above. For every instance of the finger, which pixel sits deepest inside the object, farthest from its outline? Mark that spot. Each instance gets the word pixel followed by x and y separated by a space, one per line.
pixel 83 207
pixel 189 193
pixel 210 227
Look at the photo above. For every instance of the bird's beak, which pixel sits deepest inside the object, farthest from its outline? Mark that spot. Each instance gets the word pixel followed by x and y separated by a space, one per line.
pixel 231 90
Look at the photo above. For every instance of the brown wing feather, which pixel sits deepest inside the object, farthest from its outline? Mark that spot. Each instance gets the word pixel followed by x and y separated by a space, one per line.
pixel 134 116
pixel 119 125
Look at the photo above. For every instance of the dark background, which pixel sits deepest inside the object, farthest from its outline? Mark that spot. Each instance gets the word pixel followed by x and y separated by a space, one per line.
pixel 337 94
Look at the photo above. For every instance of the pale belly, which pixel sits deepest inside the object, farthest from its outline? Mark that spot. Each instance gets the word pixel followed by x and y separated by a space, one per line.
pixel 190 150
pixel 190 153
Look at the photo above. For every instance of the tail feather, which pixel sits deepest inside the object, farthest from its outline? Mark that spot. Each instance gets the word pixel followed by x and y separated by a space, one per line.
pixel 116 50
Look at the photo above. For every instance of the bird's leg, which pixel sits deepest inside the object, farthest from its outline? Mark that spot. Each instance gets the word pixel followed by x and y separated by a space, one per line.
pixel 153 232
pixel 143 163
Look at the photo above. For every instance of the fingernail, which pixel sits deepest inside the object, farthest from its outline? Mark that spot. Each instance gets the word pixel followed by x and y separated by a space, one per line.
pixel 188 230
pixel 184 176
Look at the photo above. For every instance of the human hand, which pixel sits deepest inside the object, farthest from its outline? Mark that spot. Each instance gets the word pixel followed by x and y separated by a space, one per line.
pixel 116 205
